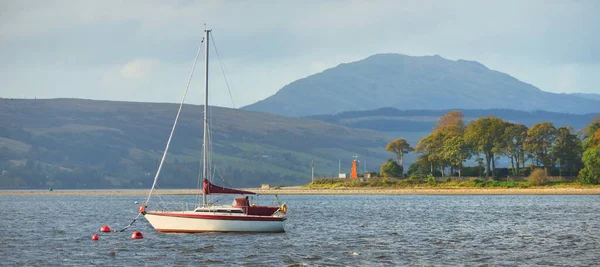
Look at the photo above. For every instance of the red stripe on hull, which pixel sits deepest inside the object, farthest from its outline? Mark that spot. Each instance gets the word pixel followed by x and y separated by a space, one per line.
pixel 203 231
pixel 220 217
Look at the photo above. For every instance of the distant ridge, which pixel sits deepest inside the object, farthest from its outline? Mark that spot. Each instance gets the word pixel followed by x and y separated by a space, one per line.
pixel 587 95
pixel 407 82
pixel 413 125
pixel 395 120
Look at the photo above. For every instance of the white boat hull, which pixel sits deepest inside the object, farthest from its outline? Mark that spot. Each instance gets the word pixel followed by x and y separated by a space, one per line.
pixel 191 222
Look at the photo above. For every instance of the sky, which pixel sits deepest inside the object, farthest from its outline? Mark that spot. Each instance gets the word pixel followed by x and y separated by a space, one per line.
pixel 143 50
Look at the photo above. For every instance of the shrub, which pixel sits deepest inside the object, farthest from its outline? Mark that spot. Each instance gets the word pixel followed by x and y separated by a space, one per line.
pixel 391 169
pixel 476 183
pixel 410 181
pixel 537 177
pixel 430 179
pixel 590 174
pixel 353 183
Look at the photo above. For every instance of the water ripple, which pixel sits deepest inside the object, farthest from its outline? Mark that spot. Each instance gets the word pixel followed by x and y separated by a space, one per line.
pixel 320 231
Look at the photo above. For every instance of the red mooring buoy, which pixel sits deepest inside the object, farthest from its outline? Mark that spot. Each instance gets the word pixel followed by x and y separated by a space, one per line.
pixel 105 229
pixel 137 235
pixel 95 237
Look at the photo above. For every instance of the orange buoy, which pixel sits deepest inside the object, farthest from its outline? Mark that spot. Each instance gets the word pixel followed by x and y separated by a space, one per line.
pixel 142 209
pixel 137 235
pixel 105 229
pixel 95 237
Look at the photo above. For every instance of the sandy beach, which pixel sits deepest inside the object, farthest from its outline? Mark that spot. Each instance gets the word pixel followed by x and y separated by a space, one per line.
pixel 298 190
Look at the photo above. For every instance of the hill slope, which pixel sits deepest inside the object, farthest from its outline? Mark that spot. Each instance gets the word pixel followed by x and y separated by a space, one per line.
pixel 405 82
pixel 73 143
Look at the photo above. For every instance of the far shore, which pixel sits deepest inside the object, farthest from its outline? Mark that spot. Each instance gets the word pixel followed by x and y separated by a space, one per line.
pixel 299 190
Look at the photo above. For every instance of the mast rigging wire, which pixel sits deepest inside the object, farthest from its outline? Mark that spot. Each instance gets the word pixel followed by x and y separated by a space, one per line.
pixel 222 69
pixel 175 123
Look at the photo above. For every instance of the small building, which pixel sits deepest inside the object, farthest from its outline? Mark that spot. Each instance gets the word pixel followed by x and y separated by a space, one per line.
pixel 343 175
pixel 265 186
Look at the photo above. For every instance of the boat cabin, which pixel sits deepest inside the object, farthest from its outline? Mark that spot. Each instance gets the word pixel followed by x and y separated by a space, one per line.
pixel 243 203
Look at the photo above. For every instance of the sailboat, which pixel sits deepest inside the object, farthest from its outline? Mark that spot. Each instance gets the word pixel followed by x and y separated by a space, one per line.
pixel 241 216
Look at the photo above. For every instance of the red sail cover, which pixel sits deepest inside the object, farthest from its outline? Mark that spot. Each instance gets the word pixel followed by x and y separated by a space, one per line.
pixel 210 188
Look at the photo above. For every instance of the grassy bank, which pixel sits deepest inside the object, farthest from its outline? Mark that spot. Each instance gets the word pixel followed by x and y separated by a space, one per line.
pixel 375 186
pixel 442 183
pixel 305 190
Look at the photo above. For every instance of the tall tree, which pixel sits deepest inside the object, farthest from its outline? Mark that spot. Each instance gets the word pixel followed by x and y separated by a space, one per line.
pixel 485 136
pixel 431 146
pixel 567 149
pixel 480 164
pixel 399 147
pixel 452 123
pixel 593 139
pixel 596 138
pixel 540 138
pixel 512 145
pixel 593 126
pixel 590 131
pixel 456 151
pixel 590 174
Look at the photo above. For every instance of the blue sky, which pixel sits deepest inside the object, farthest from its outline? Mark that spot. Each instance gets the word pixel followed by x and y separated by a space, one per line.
pixel 143 50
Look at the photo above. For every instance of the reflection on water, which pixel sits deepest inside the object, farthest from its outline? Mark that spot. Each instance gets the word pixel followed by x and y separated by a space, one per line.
pixel 321 230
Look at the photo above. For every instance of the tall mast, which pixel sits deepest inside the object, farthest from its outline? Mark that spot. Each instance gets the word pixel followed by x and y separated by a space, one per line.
pixel 205 134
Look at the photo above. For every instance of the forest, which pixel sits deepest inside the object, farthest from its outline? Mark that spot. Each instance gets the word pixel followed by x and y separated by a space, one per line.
pixel 562 151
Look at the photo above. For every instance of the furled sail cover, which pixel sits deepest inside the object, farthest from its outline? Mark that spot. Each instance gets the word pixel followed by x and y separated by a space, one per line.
pixel 210 188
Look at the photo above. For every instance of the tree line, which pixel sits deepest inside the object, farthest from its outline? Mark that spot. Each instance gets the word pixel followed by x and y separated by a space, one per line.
pixel 484 140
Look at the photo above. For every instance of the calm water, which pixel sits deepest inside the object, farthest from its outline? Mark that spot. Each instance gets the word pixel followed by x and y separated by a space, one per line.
pixel 321 231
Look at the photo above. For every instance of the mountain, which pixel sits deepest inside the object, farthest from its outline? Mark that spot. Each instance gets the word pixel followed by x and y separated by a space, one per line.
pixel 406 82
pixel 74 143
pixel 589 96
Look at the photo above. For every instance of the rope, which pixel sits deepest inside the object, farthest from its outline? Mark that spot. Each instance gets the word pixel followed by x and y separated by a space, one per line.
pixel 222 69
pixel 225 76
pixel 220 175
pixel 164 156
pixel 130 224
pixel 162 201
pixel 228 89
pixel 175 123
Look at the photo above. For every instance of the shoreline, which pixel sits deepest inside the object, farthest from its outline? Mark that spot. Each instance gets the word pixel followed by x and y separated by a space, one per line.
pixel 298 190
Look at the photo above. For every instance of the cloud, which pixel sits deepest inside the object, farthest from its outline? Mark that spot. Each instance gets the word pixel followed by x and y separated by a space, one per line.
pixel 139 68
pixel 149 45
